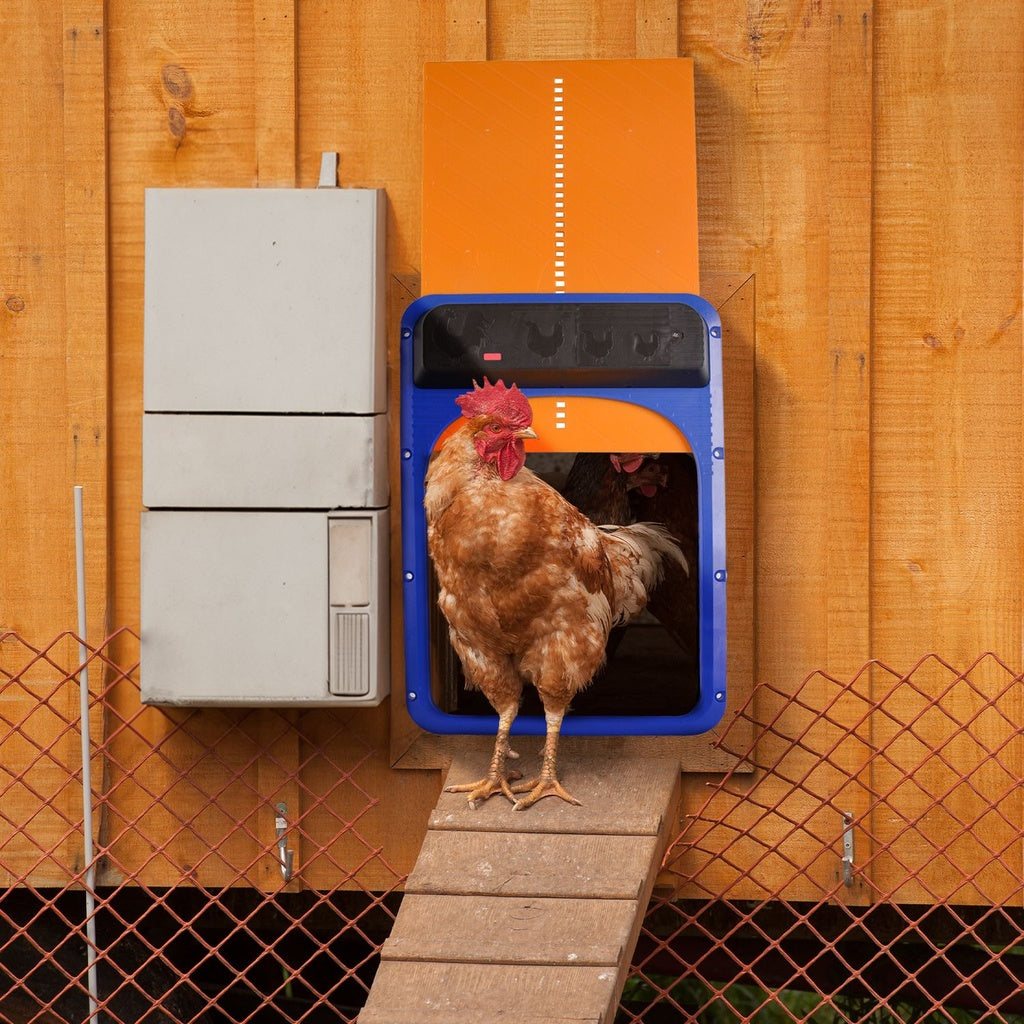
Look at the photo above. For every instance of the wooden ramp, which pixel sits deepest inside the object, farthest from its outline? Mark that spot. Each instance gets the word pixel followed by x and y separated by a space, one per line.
pixel 528 917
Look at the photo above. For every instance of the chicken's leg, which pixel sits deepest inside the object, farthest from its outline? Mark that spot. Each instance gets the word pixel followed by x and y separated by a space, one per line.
pixel 498 776
pixel 546 784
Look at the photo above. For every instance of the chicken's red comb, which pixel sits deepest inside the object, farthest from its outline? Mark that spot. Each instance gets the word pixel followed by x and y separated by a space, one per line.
pixel 507 404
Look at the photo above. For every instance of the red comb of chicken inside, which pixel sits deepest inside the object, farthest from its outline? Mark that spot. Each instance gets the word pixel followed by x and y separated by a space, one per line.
pixel 508 404
pixel 627 462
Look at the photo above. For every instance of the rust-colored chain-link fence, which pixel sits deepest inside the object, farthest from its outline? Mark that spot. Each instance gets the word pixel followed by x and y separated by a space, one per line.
pixel 863 861
pixel 192 916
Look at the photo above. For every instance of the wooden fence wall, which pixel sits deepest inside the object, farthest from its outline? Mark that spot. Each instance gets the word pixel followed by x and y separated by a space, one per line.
pixel 861 163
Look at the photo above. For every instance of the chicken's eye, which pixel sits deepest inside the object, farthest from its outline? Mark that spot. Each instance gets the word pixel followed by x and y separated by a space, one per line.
pixel 494 428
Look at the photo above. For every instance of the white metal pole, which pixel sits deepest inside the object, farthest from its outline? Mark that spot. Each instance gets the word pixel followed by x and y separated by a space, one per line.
pixel 83 694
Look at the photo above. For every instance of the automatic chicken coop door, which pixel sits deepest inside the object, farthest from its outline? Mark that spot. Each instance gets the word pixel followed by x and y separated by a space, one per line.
pixel 559 252
pixel 610 378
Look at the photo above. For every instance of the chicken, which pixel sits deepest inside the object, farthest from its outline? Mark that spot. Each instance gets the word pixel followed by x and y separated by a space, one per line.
pixel 674 503
pixel 662 488
pixel 529 586
pixel 599 484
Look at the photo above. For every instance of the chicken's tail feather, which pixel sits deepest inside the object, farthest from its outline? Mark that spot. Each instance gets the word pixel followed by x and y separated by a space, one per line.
pixel 638 554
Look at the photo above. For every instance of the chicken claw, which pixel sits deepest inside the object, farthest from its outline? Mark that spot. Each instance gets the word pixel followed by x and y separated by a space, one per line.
pixel 537 789
pixel 487 787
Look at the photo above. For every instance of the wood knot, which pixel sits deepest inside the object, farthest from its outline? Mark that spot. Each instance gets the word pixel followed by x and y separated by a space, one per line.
pixel 177 81
pixel 176 122
pixel 15 303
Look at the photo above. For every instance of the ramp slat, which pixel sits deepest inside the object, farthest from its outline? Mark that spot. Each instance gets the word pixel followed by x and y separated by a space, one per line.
pixel 633 785
pixel 498 929
pixel 513 864
pixel 437 993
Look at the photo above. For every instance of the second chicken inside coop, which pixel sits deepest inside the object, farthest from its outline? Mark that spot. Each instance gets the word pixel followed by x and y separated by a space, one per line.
pixel 652 665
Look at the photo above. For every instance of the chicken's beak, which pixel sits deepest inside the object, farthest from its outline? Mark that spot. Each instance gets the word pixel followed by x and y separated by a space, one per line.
pixel 527 433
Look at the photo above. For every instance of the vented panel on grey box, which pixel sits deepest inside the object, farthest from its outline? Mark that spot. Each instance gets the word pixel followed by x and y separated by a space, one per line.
pixel 352 655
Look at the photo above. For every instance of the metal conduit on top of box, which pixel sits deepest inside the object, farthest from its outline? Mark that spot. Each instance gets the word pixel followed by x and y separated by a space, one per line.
pixel 560 253
pixel 265 537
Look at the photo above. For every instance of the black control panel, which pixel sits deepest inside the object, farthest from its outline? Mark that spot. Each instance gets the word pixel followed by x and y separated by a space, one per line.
pixel 562 344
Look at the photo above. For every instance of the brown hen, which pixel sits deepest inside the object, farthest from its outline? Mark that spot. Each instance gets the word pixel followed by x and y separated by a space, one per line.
pixel 530 587
pixel 599 484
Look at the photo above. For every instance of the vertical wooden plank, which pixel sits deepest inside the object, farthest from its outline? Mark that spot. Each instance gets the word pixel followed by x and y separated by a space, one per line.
pixel 360 93
pixel 946 466
pixel 948 302
pixel 85 319
pixel 36 523
pixel 539 30
pixel 274 76
pixel 85 282
pixel 360 89
pixel 849 336
pixel 53 386
pixel 848 570
pixel 181 113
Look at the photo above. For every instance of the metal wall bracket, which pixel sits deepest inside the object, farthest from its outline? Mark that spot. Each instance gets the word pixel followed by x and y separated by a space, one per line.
pixel 848 850
pixel 328 171
pixel 285 857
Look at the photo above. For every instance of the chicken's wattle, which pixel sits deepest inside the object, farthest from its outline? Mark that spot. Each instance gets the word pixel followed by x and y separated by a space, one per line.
pixel 510 459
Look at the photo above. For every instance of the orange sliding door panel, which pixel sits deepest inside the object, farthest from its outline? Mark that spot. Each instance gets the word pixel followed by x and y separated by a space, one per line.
pixel 559 176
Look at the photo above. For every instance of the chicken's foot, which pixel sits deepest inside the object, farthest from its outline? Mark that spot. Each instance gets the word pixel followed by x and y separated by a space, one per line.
pixel 498 775
pixel 546 784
